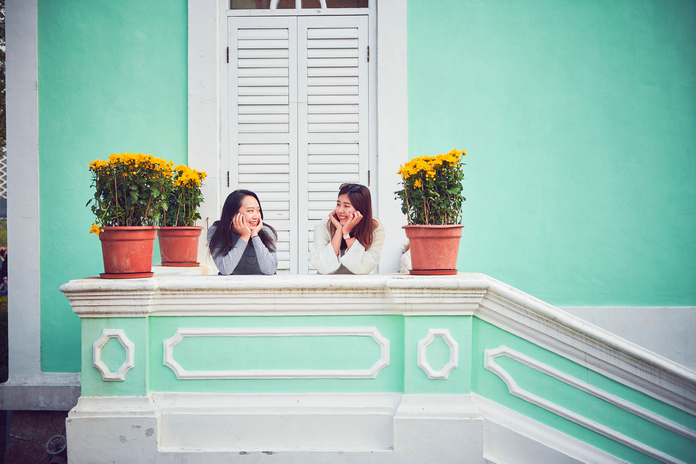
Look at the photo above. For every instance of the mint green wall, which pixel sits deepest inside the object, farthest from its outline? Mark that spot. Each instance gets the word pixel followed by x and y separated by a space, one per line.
pixel 580 122
pixel 112 79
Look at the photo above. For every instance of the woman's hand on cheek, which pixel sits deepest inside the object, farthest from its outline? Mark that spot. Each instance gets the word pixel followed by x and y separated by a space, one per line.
pixel 353 221
pixel 241 227
pixel 258 228
pixel 335 221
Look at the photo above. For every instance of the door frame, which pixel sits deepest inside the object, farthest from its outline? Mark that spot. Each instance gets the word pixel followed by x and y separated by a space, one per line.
pixel 207 59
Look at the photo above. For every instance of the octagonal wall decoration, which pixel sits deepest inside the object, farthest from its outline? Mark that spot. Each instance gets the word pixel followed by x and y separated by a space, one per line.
pixel 128 364
pixel 453 359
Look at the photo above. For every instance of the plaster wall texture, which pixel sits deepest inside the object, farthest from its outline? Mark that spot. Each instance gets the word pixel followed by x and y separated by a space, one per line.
pixel 579 119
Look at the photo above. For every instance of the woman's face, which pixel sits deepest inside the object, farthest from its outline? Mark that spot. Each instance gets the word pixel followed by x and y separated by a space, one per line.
pixel 343 208
pixel 251 210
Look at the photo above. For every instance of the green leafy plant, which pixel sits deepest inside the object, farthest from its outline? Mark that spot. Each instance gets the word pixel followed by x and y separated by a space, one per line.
pixel 183 197
pixel 129 190
pixel 432 189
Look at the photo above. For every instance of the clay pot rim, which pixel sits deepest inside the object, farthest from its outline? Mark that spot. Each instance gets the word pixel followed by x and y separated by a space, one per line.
pixel 179 227
pixel 128 228
pixel 436 226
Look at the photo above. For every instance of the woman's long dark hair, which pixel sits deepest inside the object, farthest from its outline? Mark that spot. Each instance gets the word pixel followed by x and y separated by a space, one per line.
pixel 223 239
pixel 361 200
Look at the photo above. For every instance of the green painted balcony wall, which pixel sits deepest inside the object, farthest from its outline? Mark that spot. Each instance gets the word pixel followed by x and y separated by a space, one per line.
pixel 112 79
pixel 578 118
pixel 489 385
pixel 472 335
pixel 580 125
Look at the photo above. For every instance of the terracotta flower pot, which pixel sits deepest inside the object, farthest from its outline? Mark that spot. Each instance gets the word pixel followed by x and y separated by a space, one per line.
pixel 127 251
pixel 434 249
pixel 179 245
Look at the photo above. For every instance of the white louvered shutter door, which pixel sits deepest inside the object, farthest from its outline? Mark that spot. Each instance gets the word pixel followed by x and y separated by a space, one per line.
pixel 263 123
pixel 332 116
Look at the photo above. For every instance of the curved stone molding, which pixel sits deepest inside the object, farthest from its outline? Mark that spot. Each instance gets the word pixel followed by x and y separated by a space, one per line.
pixel 128 364
pixel 491 365
pixel 454 353
pixel 371 373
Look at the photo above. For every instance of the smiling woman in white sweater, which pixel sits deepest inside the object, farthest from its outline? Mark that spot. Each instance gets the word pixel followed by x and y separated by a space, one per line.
pixel 350 241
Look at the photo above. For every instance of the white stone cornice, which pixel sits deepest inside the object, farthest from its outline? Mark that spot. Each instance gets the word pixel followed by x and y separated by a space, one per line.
pixel 477 294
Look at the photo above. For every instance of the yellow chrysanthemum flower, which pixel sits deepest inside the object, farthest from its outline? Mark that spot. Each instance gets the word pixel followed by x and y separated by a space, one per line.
pixel 95 229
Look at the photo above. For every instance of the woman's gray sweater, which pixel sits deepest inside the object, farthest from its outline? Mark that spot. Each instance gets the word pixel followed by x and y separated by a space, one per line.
pixel 243 259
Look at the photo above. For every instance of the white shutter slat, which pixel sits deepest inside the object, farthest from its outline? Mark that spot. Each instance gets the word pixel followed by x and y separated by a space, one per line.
pixel 264 149
pixel 265 43
pixel 337 32
pixel 264 109
pixel 333 80
pixel 263 99
pixel 265 178
pixel 330 62
pixel 332 43
pixel 318 118
pixel 262 53
pixel 262 72
pixel 325 187
pixel 333 149
pixel 263 91
pixel 338 178
pixel 344 71
pixel 333 90
pixel 262 33
pixel 328 109
pixel 263 81
pixel 333 53
pixel 339 159
pixel 323 196
pixel 330 99
pixel 322 206
pixel 263 63
pixel 264 118
pixel 329 168
pixel 333 128
pixel 257 187
pixel 263 168
pixel 265 128
pixel 263 159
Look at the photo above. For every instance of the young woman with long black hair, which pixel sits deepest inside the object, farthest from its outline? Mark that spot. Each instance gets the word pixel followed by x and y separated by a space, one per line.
pixel 350 241
pixel 241 225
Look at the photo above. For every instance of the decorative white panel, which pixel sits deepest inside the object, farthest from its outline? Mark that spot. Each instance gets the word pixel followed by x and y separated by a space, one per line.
pixel 422 355
pixel 516 390
pixel 370 373
pixel 128 364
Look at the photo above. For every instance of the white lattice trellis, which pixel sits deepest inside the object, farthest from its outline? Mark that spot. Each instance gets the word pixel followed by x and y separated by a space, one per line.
pixel 3 175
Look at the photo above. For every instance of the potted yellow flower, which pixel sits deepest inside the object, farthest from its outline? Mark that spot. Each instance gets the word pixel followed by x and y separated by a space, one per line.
pixel 431 199
pixel 128 198
pixel 179 235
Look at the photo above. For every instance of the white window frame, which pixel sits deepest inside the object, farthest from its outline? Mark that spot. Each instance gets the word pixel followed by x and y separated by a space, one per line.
pixel 207 143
